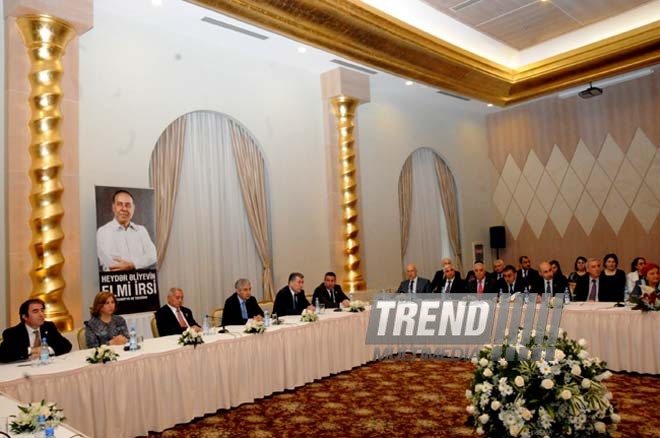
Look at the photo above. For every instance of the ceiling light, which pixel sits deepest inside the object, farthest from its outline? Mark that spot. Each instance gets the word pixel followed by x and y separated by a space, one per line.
pixel 302 49
pixel 489 105
pixel 409 83
pixel 157 2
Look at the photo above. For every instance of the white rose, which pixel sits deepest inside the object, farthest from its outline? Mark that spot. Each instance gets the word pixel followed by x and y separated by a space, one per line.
pixel 480 430
pixel 586 383
pixel 576 370
pixel 566 394
pixel 600 427
pixel 519 381
pixel 468 393
pixel 616 418
pixel 488 372
pixel 477 387
pixel 547 384
pixel 503 362
pixel 474 360
pixel 526 414
pixel 483 362
pixel 483 418
pixel 582 342
pixel 495 405
pixel 470 409
pixel 608 395
pixel 559 355
pixel 583 354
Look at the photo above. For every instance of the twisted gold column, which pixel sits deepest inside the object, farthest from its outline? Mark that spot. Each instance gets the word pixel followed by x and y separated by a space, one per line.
pixel 344 110
pixel 45 38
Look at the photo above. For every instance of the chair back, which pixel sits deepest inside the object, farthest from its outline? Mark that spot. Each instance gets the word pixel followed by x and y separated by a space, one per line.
pixel 82 340
pixel 216 317
pixel 154 327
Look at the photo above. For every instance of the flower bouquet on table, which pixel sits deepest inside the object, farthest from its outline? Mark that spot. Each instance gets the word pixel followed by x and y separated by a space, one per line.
pixel 256 327
pixel 102 354
pixel 565 396
pixel 309 316
pixel 357 306
pixel 191 337
pixel 28 418
pixel 648 301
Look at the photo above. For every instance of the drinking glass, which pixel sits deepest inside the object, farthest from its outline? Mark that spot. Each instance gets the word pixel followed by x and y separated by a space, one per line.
pixel 322 306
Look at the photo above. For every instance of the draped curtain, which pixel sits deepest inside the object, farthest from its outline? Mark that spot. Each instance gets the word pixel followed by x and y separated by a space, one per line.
pixel 405 203
pixel 428 239
pixel 211 243
pixel 450 206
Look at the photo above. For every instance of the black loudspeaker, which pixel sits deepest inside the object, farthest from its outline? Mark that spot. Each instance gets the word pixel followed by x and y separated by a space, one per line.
pixel 497 237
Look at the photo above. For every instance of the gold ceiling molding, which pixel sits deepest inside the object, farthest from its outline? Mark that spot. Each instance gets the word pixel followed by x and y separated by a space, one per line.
pixel 356 31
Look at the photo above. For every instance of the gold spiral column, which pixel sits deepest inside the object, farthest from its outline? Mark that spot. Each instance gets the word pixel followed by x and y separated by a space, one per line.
pixel 344 110
pixel 46 38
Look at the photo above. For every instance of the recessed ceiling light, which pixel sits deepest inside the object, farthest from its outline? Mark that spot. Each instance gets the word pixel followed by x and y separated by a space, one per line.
pixel 489 105
pixel 157 2
pixel 409 83
pixel 302 49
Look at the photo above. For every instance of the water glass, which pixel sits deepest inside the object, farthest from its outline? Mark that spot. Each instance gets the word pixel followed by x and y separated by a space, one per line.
pixel 140 340
pixel 322 306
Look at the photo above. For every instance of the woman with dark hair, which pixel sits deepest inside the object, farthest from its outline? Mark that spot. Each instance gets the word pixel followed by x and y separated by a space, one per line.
pixel 635 268
pixel 556 270
pixel 612 279
pixel 579 274
pixel 104 327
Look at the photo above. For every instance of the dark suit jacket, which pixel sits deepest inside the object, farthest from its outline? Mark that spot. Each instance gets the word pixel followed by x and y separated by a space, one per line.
pixel 324 296
pixel 422 286
pixel 489 286
pixel 493 276
pixel 457 286
pixel 15 341
pixel 532 277
pixel 582 289
pixel 168 324
pixel 231 314
pixel 559 285
pixel 439 280
pixel 518 286
pixel 284 302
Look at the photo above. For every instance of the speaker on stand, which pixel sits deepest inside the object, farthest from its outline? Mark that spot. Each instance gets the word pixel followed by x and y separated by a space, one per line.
pixel 497 239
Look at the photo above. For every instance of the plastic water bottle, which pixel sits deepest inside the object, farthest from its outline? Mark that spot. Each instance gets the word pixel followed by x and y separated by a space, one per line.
pixel 526 296
pixel 266 318
pixel 40 431
pixel 205 325
pixel 567 296
pixel 350 296
pixel 318 306
pixel 44 353
pixel 50 432
pixel 132 339
pixel 499 294
pixel 626 294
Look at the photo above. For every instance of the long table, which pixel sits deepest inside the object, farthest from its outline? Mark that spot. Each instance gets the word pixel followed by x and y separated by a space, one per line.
pixel 164 384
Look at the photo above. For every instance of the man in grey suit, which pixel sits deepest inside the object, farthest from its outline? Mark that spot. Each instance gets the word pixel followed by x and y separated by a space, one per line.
pixel 414 284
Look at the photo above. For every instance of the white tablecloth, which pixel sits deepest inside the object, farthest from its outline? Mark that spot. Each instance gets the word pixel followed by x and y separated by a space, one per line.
pixel 9 406
pixel 164 384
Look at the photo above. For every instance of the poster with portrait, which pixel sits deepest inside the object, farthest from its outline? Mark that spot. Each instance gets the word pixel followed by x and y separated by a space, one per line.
pixel 125 247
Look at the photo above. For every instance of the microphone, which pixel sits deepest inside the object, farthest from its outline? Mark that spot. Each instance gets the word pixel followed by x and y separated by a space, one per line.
pixel 223 330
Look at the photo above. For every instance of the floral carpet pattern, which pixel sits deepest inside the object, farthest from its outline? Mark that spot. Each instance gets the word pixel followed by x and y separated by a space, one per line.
pixel 421 398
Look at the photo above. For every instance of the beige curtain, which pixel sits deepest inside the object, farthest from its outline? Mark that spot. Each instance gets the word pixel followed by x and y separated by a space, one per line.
pixel 251 174
pixel 164 171
pixel 405 203
pixel 450 206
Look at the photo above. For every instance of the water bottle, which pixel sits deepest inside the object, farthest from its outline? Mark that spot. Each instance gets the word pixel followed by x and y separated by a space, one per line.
pixel 526 296
pixel 350 296
pixel 132 339
pixel 266 318
pixel 318 306
pixel 40 430
pixel 44 353
pixel 626 294
pixel 50 432
pixel 205 325
pixel 567 296
pixel 499 294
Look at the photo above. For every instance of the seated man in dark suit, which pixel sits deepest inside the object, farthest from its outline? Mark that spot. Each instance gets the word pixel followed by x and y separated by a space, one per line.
pixel 291 299
pixel 173 318
pixel 329 293
pixel 414 284
pixel 509 284
pixel 482 283
pixel 241 305
pixel 526 273
pixel 439 277
pixel 453 283
pixel 590 289
pixel 23 340
pixel 547 284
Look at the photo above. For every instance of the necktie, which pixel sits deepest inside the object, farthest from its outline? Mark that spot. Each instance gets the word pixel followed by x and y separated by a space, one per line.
pixel 37 339
pixel 179 316
pixel 510 288
pixel 448 287
pixel 524 274
pixel 332 294
pixel 244 313
pixel 548 288
pixel 480 287
pixel 594 290
pixel 295 301
pixel 411 288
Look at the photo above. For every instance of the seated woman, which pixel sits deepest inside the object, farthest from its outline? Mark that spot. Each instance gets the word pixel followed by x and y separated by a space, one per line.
pixel 105 327
pixel 612 280
pixel 650 276
pixel 556 270
pixel 635 270
pixel 579 274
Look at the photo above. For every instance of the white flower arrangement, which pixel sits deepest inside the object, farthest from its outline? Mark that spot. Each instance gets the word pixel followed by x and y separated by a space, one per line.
pixel 27 419
pixel 357 306
pixel 256 327
pixel 648 301
pixel 191 337
pixel 565 396
pixel 102 354
pixel 309 316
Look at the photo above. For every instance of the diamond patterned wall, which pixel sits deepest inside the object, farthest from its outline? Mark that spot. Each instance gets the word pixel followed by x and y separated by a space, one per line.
pixel 613 184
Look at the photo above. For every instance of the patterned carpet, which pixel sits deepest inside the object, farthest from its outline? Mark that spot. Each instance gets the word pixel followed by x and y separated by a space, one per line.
pixel 396 399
